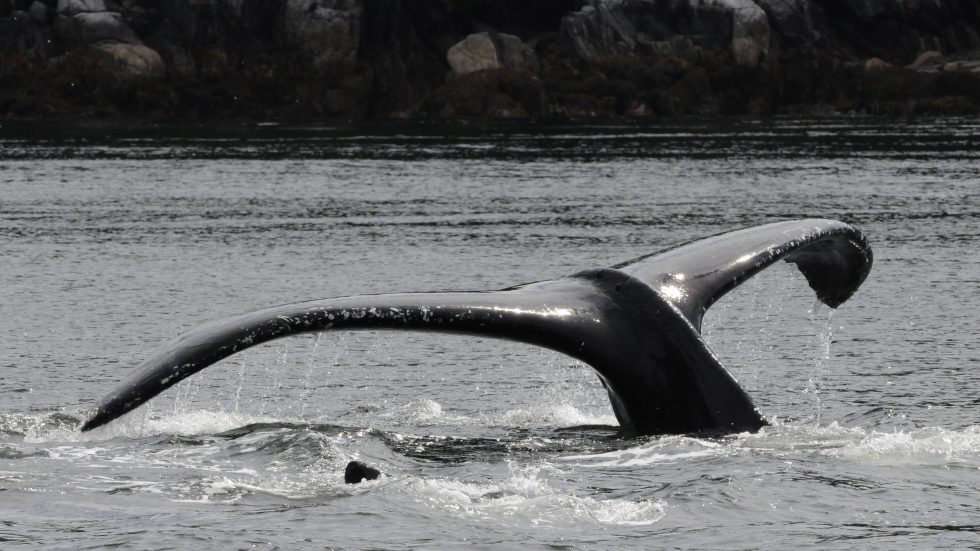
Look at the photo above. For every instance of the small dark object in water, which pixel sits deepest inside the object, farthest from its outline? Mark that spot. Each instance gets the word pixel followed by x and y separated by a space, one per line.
pixel 357 471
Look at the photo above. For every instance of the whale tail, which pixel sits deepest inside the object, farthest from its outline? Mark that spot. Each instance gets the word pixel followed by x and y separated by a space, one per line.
pixel 637 324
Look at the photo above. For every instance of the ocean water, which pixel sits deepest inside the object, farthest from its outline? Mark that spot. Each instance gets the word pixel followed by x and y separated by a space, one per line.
pixel 113 241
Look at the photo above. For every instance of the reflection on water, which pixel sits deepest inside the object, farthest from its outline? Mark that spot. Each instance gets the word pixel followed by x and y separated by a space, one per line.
pixel 115 241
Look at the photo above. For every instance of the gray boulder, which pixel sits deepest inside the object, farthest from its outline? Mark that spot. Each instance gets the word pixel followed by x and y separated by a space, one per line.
pixel 750 31
pixel 326 31
pixel 73 7
pixel 929 61
pixel 598 30
pixel 179 62
pixel 793 20
pixel 128 61
pixel 474 53
pixel 89 27
pixel 514 53
pixel 876 64
pixel 963 65
pixel 488 50
pixel 38 12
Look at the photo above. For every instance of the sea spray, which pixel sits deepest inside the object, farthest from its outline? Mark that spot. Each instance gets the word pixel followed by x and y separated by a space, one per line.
pixel 528 498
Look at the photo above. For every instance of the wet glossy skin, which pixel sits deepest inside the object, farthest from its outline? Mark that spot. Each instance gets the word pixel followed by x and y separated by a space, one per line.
pixel 637 324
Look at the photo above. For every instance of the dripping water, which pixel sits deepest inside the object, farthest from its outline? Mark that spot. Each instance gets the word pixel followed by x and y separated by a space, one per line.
pixel 770 321
pixel 821 318
pixel 311 365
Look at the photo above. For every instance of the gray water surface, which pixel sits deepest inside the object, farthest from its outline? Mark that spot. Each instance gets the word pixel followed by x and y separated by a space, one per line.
pixel 114 241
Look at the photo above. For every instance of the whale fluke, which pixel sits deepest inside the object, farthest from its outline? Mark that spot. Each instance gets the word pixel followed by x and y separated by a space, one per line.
pixel 834 258
pixel 637 324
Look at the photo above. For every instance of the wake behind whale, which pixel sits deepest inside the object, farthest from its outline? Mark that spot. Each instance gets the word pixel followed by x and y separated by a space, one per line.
pixel 637 324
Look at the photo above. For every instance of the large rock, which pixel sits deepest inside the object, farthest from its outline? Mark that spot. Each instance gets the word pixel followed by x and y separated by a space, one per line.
pixel 474 53
pixel 598 30
pixel 128 61
pixel 487 50
pixel 794 21
pixel 88 27
pixel 668 27
pixel 877 64
pixel 179 62
pixel 38 12
pixel 750 31
pixel 514 53
pixel 963 65
pixel 929 61
pixel 73 7
pixel 327 32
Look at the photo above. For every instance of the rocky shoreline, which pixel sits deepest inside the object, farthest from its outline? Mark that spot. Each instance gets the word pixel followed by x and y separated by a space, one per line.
pixel 353 60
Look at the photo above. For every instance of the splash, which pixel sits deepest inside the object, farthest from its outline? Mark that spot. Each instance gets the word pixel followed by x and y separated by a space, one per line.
pixel 526 498
pixel 928 445
pixel 136 425
pixel 668 449
pixel 570 395
pixel 552 414
pixel 420 413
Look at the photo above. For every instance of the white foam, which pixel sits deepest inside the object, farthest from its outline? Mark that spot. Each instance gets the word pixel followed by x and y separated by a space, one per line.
pixel 223 486
pixel 921 446
pixel 422 412
pixel 789 437
pixel 561 415
pixel 663 450
pixel 139 424
pixel 218 489
pixel 527 498
pixel 925 446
